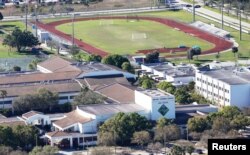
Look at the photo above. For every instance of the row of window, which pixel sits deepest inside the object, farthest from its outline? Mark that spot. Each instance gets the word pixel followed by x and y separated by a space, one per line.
pixel 5 102
pixel 213 85
pixel 214 94
pixel 65 97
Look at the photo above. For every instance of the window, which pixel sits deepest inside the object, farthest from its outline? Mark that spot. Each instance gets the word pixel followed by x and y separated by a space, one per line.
pixel 90 139
pixel 5 102
pixel 63 98
pixel 81 140
pixel 72 97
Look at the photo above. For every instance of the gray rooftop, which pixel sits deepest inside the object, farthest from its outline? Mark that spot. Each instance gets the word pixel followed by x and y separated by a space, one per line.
pixel 195 108
pixel 175 71
pixel 154 93
pixel 106 109
pixel 230 76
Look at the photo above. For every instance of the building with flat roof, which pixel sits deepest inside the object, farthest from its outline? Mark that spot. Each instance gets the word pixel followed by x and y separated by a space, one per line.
pixel 177 75
pixel 158 103
pixel 228 86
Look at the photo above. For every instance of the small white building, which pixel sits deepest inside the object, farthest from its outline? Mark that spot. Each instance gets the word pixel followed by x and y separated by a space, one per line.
pixel 159 104
pixel 177 75
pixel 226 86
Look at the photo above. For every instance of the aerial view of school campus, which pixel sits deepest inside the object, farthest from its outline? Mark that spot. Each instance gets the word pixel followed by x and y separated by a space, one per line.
pixel 124 77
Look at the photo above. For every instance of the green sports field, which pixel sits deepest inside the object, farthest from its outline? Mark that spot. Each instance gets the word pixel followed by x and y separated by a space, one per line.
pixel 120 36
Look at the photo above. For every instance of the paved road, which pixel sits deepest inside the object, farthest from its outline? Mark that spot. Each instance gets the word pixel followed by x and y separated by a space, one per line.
pixel 229 21
pixel 89 13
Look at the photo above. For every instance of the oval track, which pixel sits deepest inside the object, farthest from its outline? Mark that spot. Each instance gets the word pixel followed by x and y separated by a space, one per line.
pixel 221 44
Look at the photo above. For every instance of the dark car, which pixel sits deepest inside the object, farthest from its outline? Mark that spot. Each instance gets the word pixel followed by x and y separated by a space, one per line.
pixel 198 151
pixel 188 5
pixel 197 6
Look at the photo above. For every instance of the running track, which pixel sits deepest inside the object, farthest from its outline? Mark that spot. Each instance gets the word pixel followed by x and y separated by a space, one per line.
pixel 220 43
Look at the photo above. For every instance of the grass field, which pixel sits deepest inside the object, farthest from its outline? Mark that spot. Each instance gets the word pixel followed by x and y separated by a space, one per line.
pixel 117 37
pixel 8 27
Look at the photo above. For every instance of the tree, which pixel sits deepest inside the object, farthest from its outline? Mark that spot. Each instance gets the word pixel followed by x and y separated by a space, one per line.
pixel 191 86
pixel 6 135
pixel 16 68
pixel 146 82
pixel 190 149
pixel 5 150
pixel 198 124
pixel 221 124
pixel 163 122
pixel 167 133
pixel 107 139
pixel 141 138
pixel 240 122
pixel 152 57
pixel 124 125
pixel 3 94
pixel 182 96
pixel 167 87
pixel 20 39
pixel 127 67
pixel 115 60
pixel 234 50
pixel 47 99
pixel 86 97
pixel 177 150
pixel 230 112
pixel 16 136
pixel 217 56
pixel 74 49
pixel 1 16
pixel 193 51
pixel 93 57
pixel 46 150
pixel 44 100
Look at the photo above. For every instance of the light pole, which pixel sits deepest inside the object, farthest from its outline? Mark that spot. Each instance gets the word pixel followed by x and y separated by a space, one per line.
pixel 36 17
pixel 222 15
pixel 73 29
pixel 26 15
pixel 239 8
pixel 193 11
pixel 240 27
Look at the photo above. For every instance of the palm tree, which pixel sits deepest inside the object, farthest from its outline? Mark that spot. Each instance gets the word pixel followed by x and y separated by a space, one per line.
pixel 3 94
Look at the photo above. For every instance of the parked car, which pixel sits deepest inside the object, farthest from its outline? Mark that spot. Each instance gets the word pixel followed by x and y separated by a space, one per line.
pixel 197 6
pixel 198 151
pixel 188 5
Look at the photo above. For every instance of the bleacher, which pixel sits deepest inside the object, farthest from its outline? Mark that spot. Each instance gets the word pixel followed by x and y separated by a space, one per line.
pixel 211 29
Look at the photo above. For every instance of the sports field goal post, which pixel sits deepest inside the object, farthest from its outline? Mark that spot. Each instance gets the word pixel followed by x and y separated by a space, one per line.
pixel 138 36
pixel 106 22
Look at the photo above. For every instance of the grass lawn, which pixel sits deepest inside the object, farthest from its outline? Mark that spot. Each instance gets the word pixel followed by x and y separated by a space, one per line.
pixel 8 27
pixel 117 37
